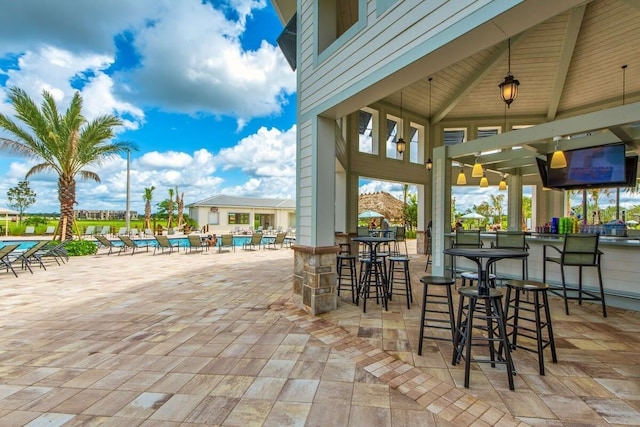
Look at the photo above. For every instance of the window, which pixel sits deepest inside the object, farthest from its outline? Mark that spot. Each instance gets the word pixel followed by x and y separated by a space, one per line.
pixel 238 218
pixel 334 19
pixel 367 131
pixel 392 135
pixel 484 132
pixel 455 136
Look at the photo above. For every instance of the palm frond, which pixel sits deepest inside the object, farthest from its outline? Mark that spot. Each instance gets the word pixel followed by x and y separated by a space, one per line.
pixel 42 167
pixel 89 176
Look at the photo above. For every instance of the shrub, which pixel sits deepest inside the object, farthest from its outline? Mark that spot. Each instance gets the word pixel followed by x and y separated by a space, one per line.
pixel 36 221
pixel 81 247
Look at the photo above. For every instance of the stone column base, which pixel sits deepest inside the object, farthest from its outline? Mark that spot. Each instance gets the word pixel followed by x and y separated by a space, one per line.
pixel 314 278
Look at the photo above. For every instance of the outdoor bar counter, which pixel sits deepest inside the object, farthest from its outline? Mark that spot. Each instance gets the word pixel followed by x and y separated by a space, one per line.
pixel 620 264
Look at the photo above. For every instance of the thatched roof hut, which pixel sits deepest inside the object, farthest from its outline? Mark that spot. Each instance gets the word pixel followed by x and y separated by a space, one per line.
pixel 383 203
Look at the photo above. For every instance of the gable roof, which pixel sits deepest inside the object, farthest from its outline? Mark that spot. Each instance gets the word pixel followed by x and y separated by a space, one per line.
pixel 249 202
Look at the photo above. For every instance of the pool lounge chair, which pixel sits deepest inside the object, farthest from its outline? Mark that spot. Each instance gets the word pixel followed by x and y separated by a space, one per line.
pixel 226 241
pixel 196 243
pixel 50 230
pixel 29 231
pixel 5 251
pixel 278 240
pixel 255 242
pixel 90 230
pixel 130 244
pixel 28 257
pixel 54 250
pixel 163 243
pixel 105 230
pixel 106 243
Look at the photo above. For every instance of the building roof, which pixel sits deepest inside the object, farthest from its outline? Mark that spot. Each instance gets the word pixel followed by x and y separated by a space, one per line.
pixel 249 202
pixel 383 203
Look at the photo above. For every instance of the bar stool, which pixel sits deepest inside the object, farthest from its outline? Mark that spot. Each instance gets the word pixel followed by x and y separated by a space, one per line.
pixel 533 327
pixel 439 305
pixel 346 269
pixel 399 266
pixel 473 277
pixel 372 273
pixel 488 308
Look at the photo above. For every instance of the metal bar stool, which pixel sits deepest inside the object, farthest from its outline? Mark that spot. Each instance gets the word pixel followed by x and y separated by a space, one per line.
pixel 487 309
pixel 437 305
pixel 346 269
pixel 399 266
pixel 473 277
pixel 372 273
pixel 527 319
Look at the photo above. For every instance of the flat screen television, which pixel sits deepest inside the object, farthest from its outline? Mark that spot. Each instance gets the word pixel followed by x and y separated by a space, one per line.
pixel 593 167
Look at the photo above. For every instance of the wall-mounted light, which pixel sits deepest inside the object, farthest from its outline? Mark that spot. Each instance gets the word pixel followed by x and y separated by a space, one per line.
pixel 502 186
pixel 429 164
pixel 509 87
pixel 477 171
pixel 462 178
pixel 558 160
pixel 484 182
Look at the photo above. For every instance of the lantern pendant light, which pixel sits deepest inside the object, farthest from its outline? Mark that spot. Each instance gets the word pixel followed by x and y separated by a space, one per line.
pixel 429 164
pixel 502 186
pixel 509 87
pixel 400 144
pixel 477 171
pixel 558 159
pixel 462 178
pixel 484 182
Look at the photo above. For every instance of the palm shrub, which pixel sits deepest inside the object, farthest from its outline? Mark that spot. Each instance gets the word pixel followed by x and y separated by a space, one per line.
pixel 67 144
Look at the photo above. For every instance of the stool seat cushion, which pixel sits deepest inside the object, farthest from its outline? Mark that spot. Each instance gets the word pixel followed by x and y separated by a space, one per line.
pixel 472 292
pixel 474 276
pixel 528 285
pixel 438 280
pixel 398 258
pixel 343 256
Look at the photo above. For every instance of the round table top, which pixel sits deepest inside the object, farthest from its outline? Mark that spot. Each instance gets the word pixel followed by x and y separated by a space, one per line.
pixel 487 252
pixel 371 239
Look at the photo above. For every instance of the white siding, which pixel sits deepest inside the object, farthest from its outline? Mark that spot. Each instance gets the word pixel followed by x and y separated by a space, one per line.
pixel 305 179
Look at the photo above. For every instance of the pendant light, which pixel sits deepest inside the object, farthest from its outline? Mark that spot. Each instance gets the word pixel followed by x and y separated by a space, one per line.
pixel 509 87
pixel 502 186
pixel 477 171
pixel 484 182
pixel 400 144
pixel 558 160
pixel 429 164
pixel 462 178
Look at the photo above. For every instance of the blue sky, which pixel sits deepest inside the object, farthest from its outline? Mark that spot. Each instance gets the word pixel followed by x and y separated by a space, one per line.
pixel 203 89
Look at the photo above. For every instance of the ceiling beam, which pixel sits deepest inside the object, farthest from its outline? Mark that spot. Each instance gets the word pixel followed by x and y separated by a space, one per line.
pixel 566 54
pixel 476 78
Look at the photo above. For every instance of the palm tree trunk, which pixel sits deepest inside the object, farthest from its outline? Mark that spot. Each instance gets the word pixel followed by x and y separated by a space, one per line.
pixel 67 198
pixel 147 214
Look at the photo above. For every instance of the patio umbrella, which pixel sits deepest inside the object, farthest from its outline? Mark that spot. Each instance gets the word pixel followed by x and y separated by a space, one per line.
pixel 6 212
pixel 632 222
pixel 473 215
pixel 370 214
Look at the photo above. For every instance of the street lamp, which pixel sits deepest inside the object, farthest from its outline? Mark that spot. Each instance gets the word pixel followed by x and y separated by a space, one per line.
pixel 126 214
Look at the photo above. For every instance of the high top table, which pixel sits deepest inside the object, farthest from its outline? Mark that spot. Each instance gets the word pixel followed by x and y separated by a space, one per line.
pixel 484 257
pixel 372 243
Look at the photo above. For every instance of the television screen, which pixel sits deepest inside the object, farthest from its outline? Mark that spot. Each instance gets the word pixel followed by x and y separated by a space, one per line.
pixel 602 166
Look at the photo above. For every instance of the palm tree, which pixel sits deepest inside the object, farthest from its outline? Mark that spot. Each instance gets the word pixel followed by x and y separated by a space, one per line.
pixel 170 208
pixel 147 197
pixel 180 203
pixel 65 144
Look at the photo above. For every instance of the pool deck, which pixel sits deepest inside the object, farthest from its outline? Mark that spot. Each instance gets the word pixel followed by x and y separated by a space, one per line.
pixel 212 339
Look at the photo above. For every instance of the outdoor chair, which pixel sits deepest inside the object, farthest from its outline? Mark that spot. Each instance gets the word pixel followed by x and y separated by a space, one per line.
pixel 5 251
pixel 130 244
pixel 253 243
pixel 278 240
pixel 134 232
pixel 54 250
pixel 226 241
pixel 122 231
pixel 148 232
pixel 105 230
pixel 400 236
pixel 196 243
pixel 50 230
pixel 30 230
pixel 465 239
pixel 579 250
pixel 106 243
pixel 163 243
pixel 90 230
pixel 512 240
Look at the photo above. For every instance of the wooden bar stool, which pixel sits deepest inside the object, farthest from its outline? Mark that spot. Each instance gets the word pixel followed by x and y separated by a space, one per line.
pixel 530 319
pixel 437 308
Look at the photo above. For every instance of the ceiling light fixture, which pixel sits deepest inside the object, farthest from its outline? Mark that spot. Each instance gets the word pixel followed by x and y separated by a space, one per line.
pixel 462 178
pixel 429 164
pixel 477 171
pixel 484 182
pixel 400 144
pixel 502 186
pixel 558 160
pixel 509 87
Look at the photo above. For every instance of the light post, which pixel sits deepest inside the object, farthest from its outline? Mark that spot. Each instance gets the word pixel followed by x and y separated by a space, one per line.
pixel 127 214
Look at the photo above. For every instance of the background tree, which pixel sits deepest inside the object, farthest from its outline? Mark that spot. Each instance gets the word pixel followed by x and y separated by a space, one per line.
pixel 496 205
pixel 170 209
pixel 66 144
pixel 180 203
pixel 411 211
pixel 21 197
pixel 147 197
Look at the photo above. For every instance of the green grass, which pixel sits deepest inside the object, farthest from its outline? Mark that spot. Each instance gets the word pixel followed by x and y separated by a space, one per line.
pixel 16 229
